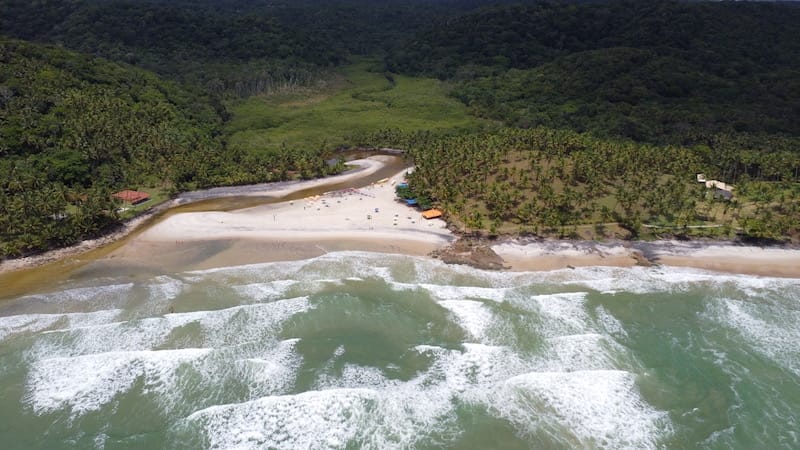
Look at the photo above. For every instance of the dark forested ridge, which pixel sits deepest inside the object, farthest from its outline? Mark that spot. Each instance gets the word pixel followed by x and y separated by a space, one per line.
pixel 656 71
pixel 235 46
pixel 197 42
pixel 658 90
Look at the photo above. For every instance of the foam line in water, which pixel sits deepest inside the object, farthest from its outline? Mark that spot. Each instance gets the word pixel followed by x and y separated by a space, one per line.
pixel 270 290
pixel 395 416
pixel 641 280
pixel 97 296
pixel 589 351
pixel 34 323
pixel 353 376
pixel 362 407
pixel 165 289
pixel 587 409
pixel 275 370
pixel 315 419
pixel 609 324
pixel 26 323
pixel 776 338
pixel 472 315
pixel 335 265
pixel 448 292
pixel 87 383
pixel 229 326
pixel 469 372
pixel 559 314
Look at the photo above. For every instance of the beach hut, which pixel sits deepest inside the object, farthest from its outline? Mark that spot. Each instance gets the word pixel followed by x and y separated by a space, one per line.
pixel 431 213
pixel 132 197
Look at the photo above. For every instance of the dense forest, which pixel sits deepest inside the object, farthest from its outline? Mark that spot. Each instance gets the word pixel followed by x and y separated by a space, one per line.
pixel 239 47
pixel 588 102
pixel 75 128
pixel 662 72
pixel 556 182
pixel 714 85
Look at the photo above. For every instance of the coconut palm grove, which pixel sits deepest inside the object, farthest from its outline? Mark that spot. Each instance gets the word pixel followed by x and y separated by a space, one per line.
pixel 575 119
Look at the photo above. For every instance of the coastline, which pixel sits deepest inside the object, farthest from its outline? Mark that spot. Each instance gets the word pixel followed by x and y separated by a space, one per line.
pixel 371 219
pixel 365 167
pixel 365 219
pixel 715 256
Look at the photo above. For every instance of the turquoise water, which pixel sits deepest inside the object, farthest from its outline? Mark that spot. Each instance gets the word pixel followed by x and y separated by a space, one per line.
pixel 364 350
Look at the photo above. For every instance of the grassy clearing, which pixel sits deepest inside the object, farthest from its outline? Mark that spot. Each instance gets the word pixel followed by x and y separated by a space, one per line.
pixel 360 99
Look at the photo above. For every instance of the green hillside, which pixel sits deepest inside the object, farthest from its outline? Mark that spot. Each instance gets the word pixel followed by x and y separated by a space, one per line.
pixel 355 104
pixel 664 72
pixel 75 128
pixel 168 96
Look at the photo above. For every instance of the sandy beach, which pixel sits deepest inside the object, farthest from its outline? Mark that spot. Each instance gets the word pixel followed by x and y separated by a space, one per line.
pixel 713 256
pixel 372 219
pixel 368 219
pixel 361 169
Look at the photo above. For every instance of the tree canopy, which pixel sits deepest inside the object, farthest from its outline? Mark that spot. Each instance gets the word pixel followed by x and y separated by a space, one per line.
pixel 662 71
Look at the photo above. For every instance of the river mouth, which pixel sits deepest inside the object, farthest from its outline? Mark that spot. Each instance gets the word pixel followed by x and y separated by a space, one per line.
pixel 46 276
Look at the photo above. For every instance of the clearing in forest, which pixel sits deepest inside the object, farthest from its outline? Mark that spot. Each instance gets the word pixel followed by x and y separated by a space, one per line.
pixel 359 99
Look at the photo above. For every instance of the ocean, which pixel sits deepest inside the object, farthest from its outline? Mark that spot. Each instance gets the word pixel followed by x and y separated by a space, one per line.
pixel 365 350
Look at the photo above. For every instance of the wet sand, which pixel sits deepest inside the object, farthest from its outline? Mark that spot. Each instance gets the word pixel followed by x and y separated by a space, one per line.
pixel 370 218
pixel 713 256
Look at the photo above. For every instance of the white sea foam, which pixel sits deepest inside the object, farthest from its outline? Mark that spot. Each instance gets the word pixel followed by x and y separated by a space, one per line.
pixel 94 297
pixel 165 289
pixel 254 272
pixel 229 326
pixel 355 377
pixel 469 373
pixel 776 338
pixel 274 371
pixel 609 323
pixel 586 409
pixel 245 323
pixel 465 292
pixel 34 323
pixel 270 290
pixel 643 280
pixel 473 316
pixel 26 323
pixel 560 314
pixel 315 419
pixel 87 383
pixel 363 408
pixel 589 351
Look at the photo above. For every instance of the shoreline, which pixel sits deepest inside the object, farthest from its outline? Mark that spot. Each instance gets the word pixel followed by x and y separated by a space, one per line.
pixel 371 219
pixel 366 167
pixel 715 256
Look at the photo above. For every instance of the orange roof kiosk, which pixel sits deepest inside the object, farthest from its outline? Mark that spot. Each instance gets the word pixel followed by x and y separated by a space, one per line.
pixel 431 213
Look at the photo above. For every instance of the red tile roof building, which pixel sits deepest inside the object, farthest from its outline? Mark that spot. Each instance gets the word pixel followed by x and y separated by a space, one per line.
pixel 133 197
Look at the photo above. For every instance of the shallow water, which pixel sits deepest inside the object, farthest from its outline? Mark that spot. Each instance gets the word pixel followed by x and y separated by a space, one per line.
pixel 364 350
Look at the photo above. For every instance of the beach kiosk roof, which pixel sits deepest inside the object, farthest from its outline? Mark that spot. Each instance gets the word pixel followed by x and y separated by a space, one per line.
pixel 133 197
pixel 431 214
